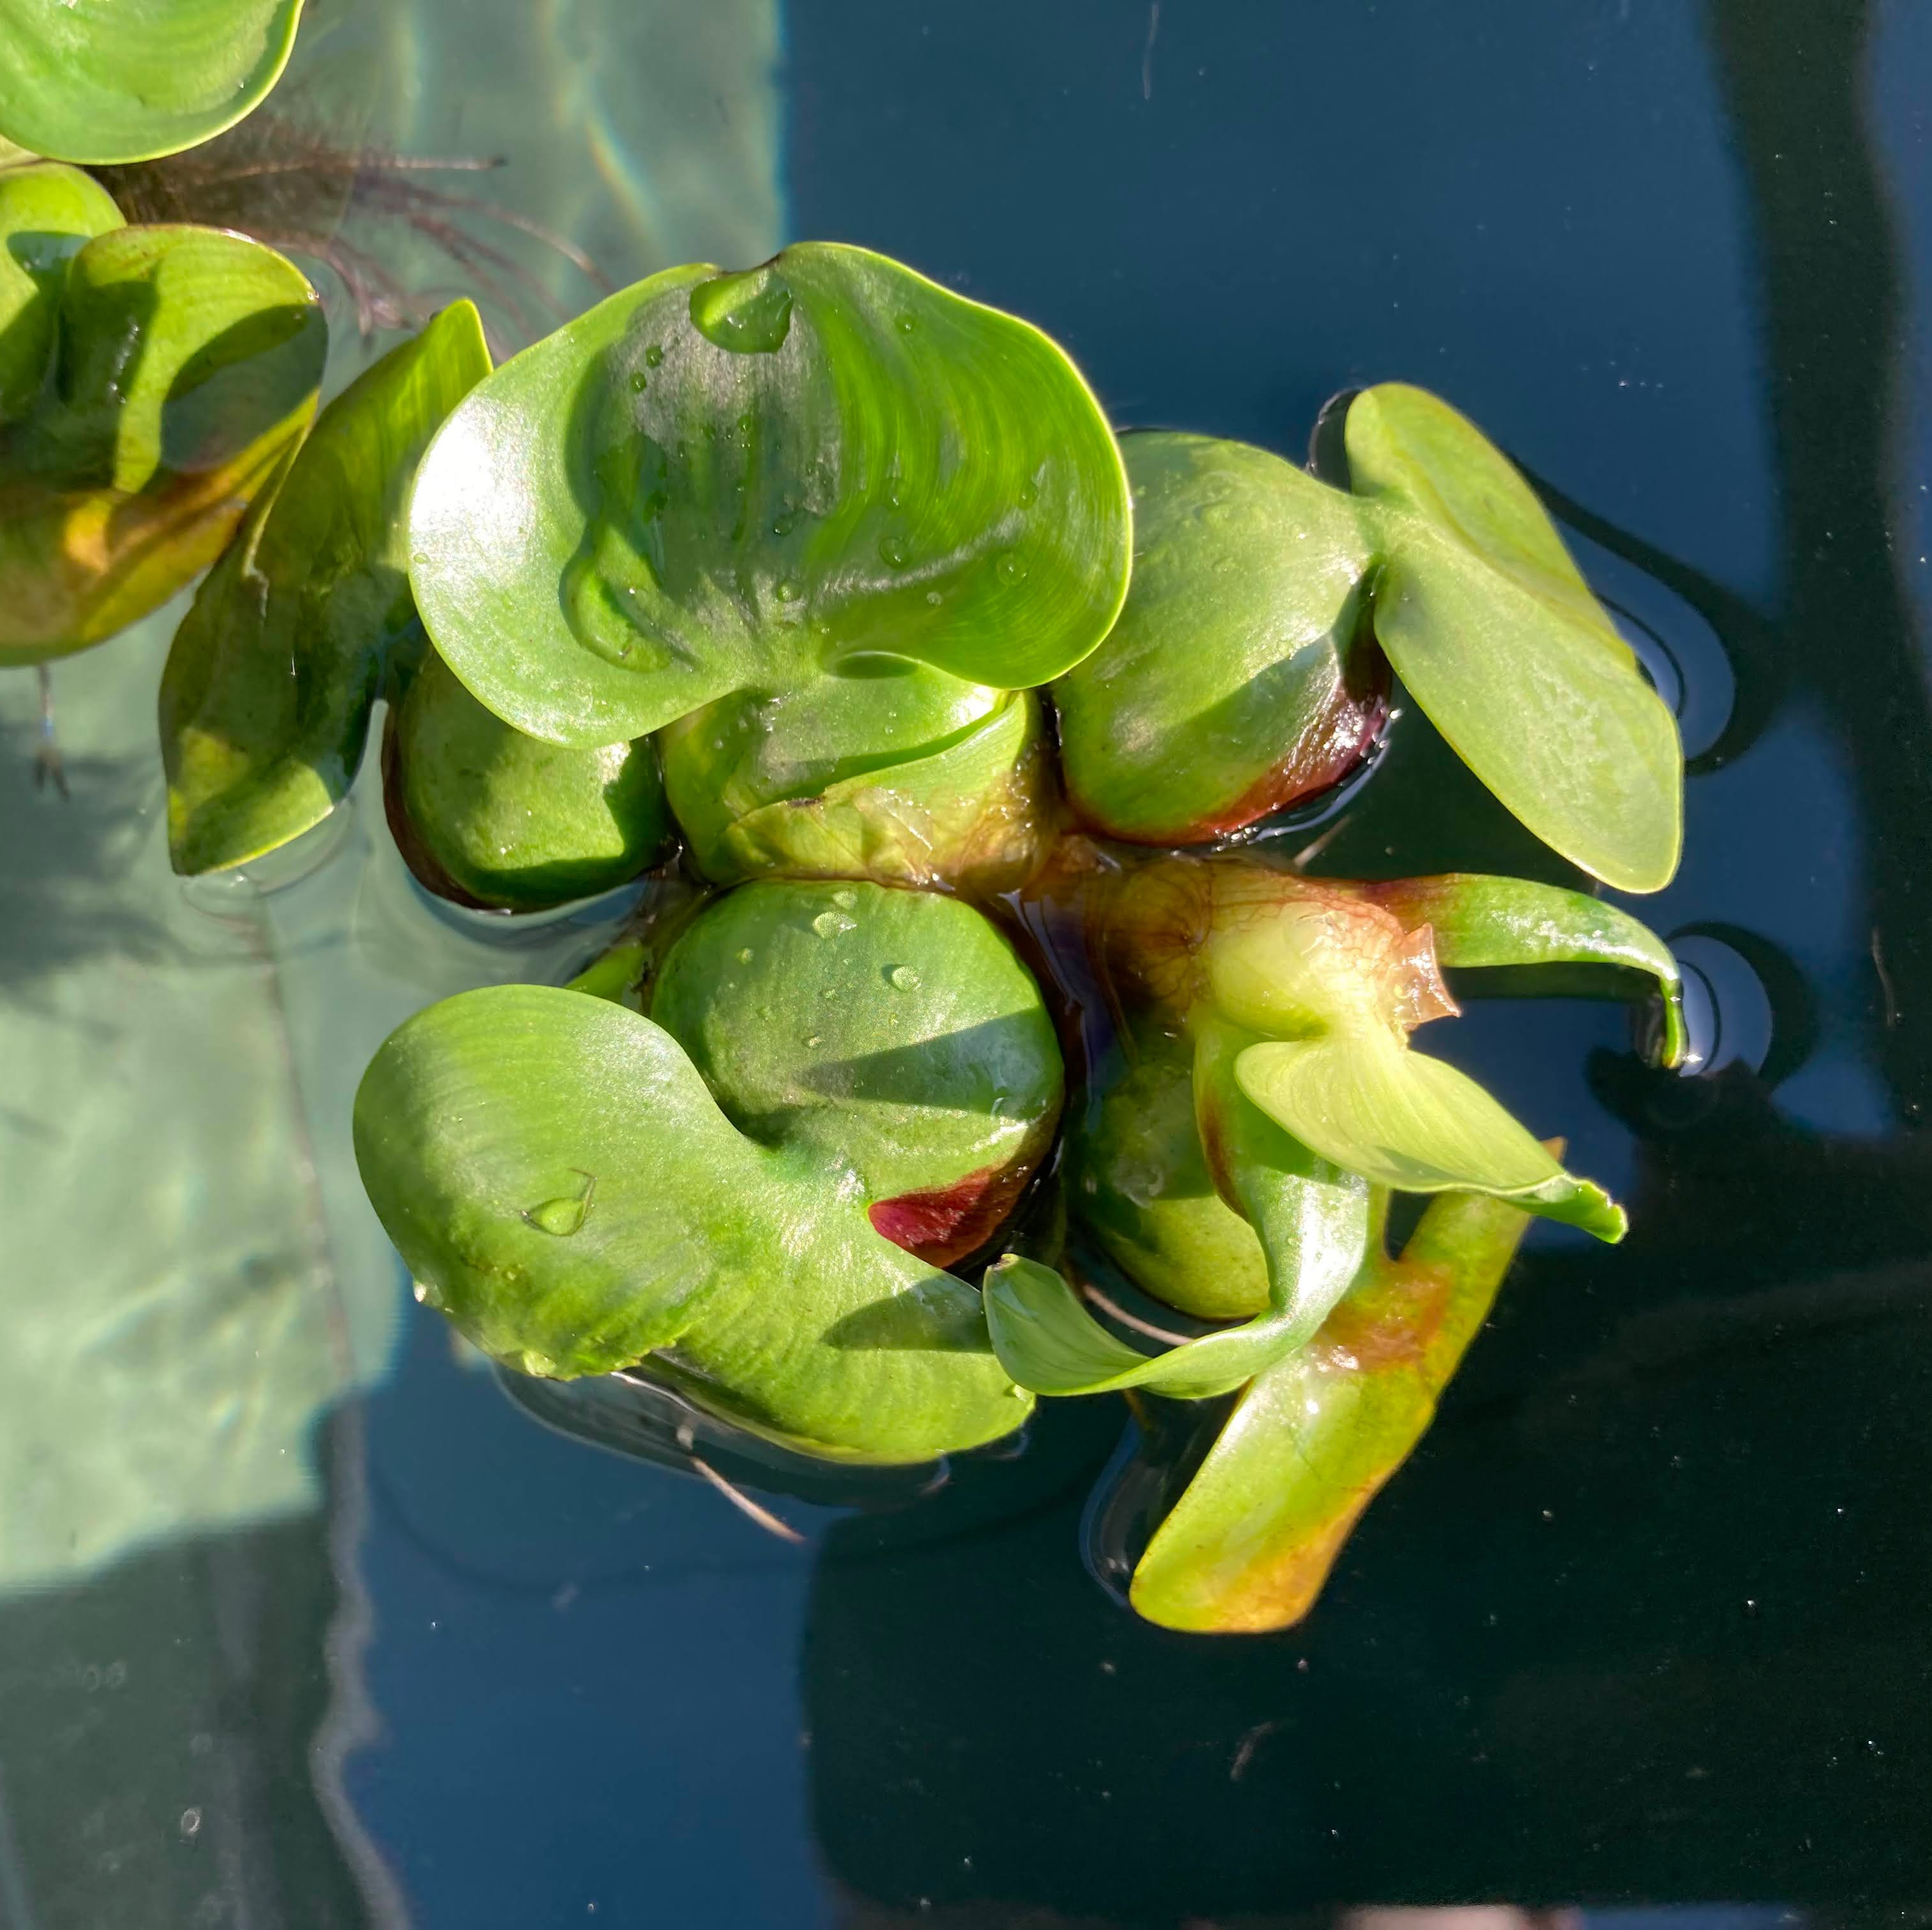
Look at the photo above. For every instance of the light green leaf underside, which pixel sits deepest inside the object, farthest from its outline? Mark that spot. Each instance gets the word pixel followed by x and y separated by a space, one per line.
pixel 1483 921
pixel 707 482
pixel 1317 1435
pixel 500 1112
pixel 1498 639
pixel 99 81
pixel 1404 1120
pixel 265 699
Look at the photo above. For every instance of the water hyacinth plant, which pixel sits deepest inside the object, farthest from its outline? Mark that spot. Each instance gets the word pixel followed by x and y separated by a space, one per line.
pixel 152 380
pixel 771 570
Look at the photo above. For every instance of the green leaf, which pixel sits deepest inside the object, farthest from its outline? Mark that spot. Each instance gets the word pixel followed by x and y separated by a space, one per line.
pixel 1315 1436
pixel 1401 1119
pixel 893 1034
pixel 265 699
pixel 1312 1222
pixel 710 484
pixel 1498 639
pixel 121 80
pixel 48 214
pixel 967 807
pixel 185 368
pixel 1230 686
pixel 1487 922
pixel 1138 1182
pixel 562 1186
pixel 512 823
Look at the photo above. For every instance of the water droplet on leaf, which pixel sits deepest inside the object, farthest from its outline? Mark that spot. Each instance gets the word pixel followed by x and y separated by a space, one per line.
pixel 653 356
pixel 639 382
pixel 903 978
pixel 1011 567
pixel 748 314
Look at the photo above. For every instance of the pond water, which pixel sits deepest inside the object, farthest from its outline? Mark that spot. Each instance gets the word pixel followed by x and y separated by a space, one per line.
pixel 304 1623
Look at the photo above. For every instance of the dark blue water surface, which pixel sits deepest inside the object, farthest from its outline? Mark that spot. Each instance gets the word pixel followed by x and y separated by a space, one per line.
pixel 1646 1624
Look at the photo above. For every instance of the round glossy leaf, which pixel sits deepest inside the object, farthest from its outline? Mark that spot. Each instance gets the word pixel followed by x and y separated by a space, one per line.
pixel 47 214
pixel 512 822
pixel 1138 1184
pixel 186 367
pixel 893 1032
pixel 120 80
pixel 265 699
pixel 1498 639
pixel 711 483
pixel 563 1187
pixel 1231 684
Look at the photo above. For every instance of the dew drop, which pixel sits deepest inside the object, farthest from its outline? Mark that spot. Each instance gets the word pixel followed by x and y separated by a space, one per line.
pixel 1011 567
pixel 903 978
pixel 421 555
pixel 1029 494
pixel 786 591
pixel 810 1039
pixel 828 924
pixel 561 1217
pixel 845 900
pixel 653 356
pixel 933 596
pixel 639 382
pixel 893 549
pixel 907 324
pixel 745 956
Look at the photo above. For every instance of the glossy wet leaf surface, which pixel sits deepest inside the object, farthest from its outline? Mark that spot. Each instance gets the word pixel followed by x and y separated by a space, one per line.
pixel 1240 676
pixel 1494 632
pixel 1251 1542
pixel 1233 683
pixel 182 367
pixel 750 1276
pixel 123 80
pixel 266 701
pixel 510 822
pixel 894 1033
pixel 711 484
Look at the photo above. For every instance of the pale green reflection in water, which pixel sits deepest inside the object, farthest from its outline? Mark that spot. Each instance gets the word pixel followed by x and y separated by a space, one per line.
pixel 189 1273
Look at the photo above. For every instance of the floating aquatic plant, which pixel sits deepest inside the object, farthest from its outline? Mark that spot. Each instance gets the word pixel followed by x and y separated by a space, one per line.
pixel 1245 670
pixel 152 380
pixel 124 80
pixel 780 561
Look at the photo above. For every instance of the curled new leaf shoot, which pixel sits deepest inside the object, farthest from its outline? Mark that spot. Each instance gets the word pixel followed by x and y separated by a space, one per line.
pixel 830 514
pixel 893 1033
pixel 563 1186
pixel 1244 672
pixel 270 682
pixel 1263 1082
pixel 1316 1436
pixel 152 381
pixel 122 80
